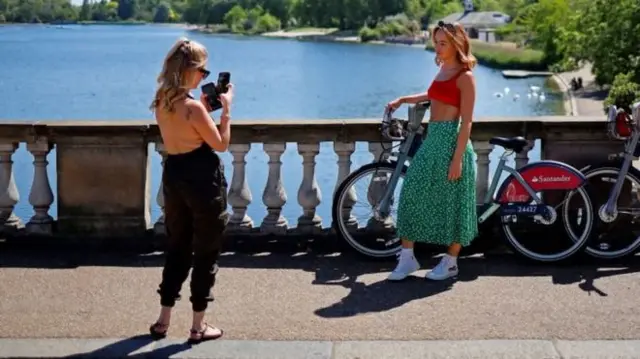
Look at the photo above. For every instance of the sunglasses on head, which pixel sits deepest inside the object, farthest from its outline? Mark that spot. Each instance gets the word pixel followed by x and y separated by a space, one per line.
pixel 205 73
pixel 447 25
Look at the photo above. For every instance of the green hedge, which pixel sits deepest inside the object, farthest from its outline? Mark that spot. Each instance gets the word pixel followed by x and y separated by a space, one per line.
pixel 502 56
pixel 398 25
pixel 624 92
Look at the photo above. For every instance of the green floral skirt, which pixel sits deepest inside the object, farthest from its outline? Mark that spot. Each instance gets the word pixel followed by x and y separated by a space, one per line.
pixel 433 209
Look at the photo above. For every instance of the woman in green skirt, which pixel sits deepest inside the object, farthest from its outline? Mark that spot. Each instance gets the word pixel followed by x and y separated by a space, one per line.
pixel 438 200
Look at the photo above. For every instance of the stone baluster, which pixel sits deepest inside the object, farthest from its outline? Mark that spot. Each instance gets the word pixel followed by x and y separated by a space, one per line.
pixel 344 152
pixel 309 194
pixel 41 196
pixel 376 190
pixel 158 227
pixel 483 150
pixel 522 158
pixel 274 195
pixel 9 195
pixel 239 192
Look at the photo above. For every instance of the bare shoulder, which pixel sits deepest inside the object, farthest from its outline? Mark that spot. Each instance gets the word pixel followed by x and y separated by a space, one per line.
pixel 194 105
pixel 194 109
pixel 466 79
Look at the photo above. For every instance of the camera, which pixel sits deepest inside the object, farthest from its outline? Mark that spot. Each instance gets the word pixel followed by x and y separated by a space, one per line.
pixel 213 91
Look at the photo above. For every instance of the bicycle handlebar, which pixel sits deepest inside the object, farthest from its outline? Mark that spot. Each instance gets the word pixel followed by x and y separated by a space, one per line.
pixel 410 125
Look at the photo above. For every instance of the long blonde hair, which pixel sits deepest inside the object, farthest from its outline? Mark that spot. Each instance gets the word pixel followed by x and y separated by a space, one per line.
pixel 459 39
pixel 185 55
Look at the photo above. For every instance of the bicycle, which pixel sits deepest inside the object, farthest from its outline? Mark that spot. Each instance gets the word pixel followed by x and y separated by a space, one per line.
pixel 517 198
pixel 616 233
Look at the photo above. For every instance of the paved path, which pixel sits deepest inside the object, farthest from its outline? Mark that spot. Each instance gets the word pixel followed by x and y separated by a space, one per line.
pixel 309 297
pixel 234 349
pixel 589 99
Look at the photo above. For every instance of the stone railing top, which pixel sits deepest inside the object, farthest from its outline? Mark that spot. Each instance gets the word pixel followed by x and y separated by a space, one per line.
pixel 299 130
pixel 290 122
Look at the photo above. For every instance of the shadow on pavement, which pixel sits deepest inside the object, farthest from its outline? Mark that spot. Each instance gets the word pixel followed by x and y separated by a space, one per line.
pixel 384 295
pixel 347 270
pixel 377 297
pixel 592 92
pixel 126 347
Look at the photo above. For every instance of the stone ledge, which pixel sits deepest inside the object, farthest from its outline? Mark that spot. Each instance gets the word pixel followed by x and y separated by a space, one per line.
pixel 281 131
pixel 240 349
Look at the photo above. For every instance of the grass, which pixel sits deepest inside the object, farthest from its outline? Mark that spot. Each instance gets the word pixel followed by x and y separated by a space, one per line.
pixel 114 22
pixel 214 28
pixel 552 84
pixel 505 56
pixel 311 29
pixel 501 55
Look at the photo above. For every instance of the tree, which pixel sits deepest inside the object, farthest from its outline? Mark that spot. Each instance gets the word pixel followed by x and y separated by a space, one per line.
pixel 236 18
pixel 85 11
pixel 127 9
pixel 611 38
pixel 624 92
pixel 545 20
pixel 163 13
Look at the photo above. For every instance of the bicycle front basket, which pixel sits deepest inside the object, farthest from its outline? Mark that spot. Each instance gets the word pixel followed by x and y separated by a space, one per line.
pixel 393 128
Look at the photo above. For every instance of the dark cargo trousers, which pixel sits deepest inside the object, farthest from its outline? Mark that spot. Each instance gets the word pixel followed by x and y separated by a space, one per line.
pixel 195 199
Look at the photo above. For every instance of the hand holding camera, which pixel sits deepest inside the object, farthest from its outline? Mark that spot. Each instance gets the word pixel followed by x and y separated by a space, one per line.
pixel 205 101
pixel 227 98
pixel 220 95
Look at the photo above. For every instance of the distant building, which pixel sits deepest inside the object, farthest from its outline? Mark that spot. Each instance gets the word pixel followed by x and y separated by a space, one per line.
pixel 479 25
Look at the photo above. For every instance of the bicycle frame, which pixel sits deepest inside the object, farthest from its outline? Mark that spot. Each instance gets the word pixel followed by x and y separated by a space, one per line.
pixel 416 114
pixel 415 120
pixel 629 152
pixel 403 157
pixel 502 167
pixel 488 199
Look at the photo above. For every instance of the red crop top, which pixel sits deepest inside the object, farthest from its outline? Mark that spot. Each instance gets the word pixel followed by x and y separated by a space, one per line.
pixel 446 91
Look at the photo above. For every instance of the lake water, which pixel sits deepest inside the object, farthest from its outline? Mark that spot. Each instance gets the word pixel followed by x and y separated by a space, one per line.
pixel 108 73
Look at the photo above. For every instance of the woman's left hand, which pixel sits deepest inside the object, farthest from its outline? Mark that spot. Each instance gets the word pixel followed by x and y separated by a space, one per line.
pixel 455 170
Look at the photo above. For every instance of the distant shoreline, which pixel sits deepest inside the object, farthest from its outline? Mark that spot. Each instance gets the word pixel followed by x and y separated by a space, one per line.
pixel 309 34
pixel 103 23
pixel 512 58
pixel 485 56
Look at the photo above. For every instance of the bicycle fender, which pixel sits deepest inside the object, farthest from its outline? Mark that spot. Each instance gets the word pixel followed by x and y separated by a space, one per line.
pixel 540 176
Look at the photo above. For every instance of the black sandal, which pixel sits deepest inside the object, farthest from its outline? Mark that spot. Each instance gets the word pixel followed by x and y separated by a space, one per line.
pixel 157 334
pixel 201 336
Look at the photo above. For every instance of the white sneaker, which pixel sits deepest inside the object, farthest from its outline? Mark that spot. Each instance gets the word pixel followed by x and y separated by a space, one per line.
pixel 407 264
pixel 447 268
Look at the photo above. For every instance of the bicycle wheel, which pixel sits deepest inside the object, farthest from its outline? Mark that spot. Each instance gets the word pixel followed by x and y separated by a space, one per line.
pixel 354 211
pixel 544 238
pixel 616 235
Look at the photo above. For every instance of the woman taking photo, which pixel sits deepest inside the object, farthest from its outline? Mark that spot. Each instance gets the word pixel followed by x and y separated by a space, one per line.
pixel 438 199
pixel 194 186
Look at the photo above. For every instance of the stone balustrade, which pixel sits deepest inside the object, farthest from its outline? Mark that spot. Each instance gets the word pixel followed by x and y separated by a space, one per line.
pixel 103 171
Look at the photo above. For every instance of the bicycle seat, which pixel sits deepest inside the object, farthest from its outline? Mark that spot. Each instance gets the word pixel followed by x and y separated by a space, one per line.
pixel 517 144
